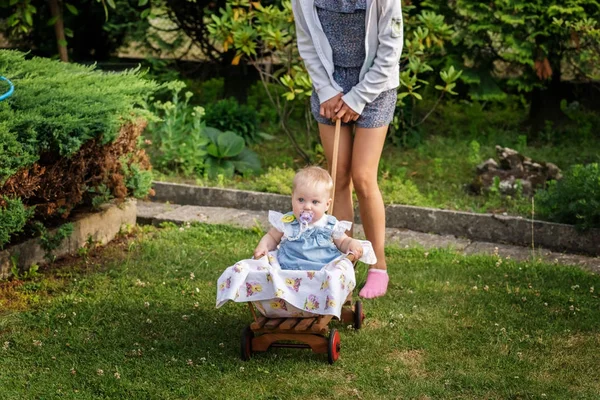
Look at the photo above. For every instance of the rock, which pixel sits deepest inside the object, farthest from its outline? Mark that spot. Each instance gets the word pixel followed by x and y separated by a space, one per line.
pixel 488 165
pixel 513 170
pixel 509 158
pixel 553 172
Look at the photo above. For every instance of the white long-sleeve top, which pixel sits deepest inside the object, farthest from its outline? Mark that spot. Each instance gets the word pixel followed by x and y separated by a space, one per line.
pixel 383 44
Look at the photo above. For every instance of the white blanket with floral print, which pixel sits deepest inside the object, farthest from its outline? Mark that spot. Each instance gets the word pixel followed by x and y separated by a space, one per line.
pixel 281 293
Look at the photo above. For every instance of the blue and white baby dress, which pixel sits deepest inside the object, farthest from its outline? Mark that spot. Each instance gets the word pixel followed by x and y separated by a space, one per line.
pixel 307 246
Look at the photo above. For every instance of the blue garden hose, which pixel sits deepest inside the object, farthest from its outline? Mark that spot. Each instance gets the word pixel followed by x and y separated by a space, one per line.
pixel 10 90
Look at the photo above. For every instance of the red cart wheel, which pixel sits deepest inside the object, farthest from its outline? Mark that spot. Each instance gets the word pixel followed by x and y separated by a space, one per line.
pixel 333 349
pixel 246 344
pixel 359 315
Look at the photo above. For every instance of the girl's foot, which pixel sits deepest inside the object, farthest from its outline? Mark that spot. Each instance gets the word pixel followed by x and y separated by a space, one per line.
pixel 376 285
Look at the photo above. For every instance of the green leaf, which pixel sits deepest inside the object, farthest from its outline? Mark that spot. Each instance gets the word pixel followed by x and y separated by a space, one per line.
pixel 72 9
pixel 230 144
pixel 52 21
pixel 247 161
pixel 142 3
pixel 216 167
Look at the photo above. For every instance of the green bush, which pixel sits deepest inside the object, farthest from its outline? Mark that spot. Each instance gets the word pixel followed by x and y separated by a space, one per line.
pixel 13 216
pixel 181 141
pixel 575 199
pixel 258 99
pixel 57 106
pixel 67 136
pixel 211 90
pixel 229 115
pixel 275 180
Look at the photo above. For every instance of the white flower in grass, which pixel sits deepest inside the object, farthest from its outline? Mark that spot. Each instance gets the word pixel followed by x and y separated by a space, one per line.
pixel 592 289
pixel 73 371
pixel 197 290
pixel 196 305
pixel 148 321
pixel 572 308
pixel 192 276
pixel 5 345
pixel 221 345
pixel 203 359
pixel 99 372
pixel 117 375
pixel 146 304
pixel 241 369
pixel 574 287
pixel 185 317
pixel 190 362
pixel 37 343
pixel 486 288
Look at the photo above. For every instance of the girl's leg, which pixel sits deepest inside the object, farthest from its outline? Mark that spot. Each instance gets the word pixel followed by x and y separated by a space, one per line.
pixel 343 207
pixel 368 145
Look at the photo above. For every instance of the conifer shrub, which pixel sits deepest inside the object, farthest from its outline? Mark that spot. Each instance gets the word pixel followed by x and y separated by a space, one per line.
pixel 68 135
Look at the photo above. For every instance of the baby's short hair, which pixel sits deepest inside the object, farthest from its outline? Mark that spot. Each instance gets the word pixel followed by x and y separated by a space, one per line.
pixel 313 176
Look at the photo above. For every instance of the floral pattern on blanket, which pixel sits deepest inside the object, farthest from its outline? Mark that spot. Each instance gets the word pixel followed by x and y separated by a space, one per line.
pixel 280 293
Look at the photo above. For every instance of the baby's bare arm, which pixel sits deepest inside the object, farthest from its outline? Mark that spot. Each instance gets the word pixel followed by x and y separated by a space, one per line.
pixel 268 242
pixel 346 243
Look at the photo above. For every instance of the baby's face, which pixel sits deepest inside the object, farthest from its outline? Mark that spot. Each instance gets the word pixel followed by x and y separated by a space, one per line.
pixel 314 199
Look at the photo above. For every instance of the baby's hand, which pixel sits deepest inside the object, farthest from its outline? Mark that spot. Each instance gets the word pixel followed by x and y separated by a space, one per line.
pixel 260 251
pixel 355 248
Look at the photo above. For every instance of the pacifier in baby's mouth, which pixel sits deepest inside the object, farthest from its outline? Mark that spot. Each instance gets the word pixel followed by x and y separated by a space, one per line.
pixel 306 217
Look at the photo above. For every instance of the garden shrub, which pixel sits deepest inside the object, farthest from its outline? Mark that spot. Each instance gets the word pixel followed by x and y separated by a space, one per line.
pixel 258 99
pixel 69 133
pixel 211 90
pixel 13 216
pixel 401 191
pixel 275 180
pixel 229 115
pixel 575 199
pixel 181 142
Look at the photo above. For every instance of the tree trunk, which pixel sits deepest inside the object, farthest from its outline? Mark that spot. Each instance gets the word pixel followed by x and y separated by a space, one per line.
pixel 545 102
pixel 59 29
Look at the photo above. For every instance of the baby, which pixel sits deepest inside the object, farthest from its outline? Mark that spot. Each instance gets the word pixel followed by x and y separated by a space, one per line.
pixel 308 238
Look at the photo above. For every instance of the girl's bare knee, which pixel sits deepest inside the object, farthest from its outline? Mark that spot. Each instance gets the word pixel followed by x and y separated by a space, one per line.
pixel 364 185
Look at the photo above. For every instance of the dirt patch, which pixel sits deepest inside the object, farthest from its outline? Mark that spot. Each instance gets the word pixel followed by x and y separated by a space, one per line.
pixel 412 361
pixel 20 295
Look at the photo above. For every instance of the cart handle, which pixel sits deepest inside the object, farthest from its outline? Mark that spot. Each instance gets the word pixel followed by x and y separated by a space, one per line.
pixel 10 90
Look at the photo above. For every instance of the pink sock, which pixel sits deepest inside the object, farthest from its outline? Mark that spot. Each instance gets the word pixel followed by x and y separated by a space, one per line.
pixel 376 285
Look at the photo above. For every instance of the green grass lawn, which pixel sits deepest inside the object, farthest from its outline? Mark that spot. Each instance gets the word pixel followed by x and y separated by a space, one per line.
pixel 137 320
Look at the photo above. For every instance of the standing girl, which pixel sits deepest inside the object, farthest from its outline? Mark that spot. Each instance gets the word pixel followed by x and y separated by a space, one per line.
pixel 351 49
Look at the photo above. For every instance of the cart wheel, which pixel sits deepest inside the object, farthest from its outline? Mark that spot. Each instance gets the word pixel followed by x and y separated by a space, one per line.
pixel 359 315
pixel 246 344
pixel 333 349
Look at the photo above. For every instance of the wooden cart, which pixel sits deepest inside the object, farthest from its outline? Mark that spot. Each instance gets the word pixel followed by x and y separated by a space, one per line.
pixel 300 333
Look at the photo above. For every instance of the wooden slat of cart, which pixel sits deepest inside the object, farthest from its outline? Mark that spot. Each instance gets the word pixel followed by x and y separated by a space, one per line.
pixel 289 323
pixel 304 324
pixel 260 322
pixel 273 323
pixel 320 325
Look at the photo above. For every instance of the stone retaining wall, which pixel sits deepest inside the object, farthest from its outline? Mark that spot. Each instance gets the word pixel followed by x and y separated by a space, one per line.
pixel 485 227
pixel 101 226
